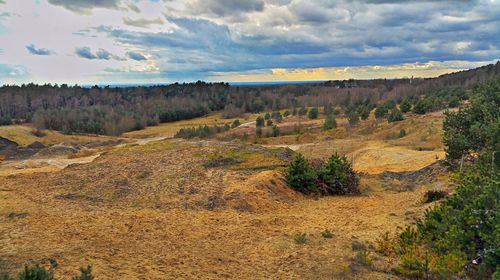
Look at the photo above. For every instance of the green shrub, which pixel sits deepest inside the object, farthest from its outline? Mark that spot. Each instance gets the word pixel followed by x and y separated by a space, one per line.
pixel 407 240
pixel 385 245
pixel 475 128
pixel 269 122
pixel 327 233
pixel 414 266
pixel 85 274
pixel 235 123
pixel 35 272
pixel 202 131
pixel 420 108
pixel 276 131
pixel 259 122
pixel 395 116
pixel 335 177
pixel 302 111
pixel 460 235
pixel 313 113
pixel 300 238
pixel 300 175
pixel 405 106
pixel 353 118
pixel 402 133
pixel 381 111
pixel 330 122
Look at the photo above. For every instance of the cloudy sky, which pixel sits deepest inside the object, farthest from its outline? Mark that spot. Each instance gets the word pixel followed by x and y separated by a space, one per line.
pixel 162 41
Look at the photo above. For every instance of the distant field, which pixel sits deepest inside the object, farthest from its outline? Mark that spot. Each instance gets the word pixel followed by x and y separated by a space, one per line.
pixel 22 134
pixel 169 129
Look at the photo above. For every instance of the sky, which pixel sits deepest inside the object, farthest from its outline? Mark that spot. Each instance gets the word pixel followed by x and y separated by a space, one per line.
pixel 164 41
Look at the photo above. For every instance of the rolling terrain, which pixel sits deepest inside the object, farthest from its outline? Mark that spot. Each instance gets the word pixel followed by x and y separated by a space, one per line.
pixel 148 206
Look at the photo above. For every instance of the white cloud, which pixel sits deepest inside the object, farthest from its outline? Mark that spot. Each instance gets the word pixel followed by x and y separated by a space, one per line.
pixel 187 40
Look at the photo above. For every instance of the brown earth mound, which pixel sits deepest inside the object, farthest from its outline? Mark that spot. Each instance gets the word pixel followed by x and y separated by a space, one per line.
pixel 56 150
pixel 263 191
pixel 36 145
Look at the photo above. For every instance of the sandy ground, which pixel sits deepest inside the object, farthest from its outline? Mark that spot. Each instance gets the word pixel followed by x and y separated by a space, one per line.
pixel 154 210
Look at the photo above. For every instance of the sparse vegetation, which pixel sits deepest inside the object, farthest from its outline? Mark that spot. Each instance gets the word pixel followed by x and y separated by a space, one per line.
pixel 235 124
pixel 201 131
pixel 313 113
pixel 402 133
pixel 85 274
pixel 300 238
pixel 363 258
pixel 259 122
pixel 37 272
pixel 330 122
pixel 353 118
pixel 395 116
pixel 327 233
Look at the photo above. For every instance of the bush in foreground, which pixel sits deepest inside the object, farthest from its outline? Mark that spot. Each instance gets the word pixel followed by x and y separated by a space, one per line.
pixel 37 272
pixel 335 177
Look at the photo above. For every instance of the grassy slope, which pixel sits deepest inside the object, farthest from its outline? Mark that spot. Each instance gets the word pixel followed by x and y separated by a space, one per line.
pixel 154 210
pixel 22 134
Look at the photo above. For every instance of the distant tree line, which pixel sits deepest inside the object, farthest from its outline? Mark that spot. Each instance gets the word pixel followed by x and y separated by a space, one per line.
pixel 110 110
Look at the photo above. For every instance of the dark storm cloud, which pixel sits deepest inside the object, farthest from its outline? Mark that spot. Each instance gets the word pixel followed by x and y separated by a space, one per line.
pixel 38 51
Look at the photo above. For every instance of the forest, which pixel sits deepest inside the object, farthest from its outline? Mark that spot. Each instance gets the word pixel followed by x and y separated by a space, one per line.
pixel 114 110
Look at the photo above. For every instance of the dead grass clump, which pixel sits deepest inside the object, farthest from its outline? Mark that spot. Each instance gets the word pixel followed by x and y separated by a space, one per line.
pixel 363 258
pixel 218 160
pixel 82 153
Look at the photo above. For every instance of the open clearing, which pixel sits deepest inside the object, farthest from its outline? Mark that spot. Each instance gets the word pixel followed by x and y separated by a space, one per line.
pixel 159 208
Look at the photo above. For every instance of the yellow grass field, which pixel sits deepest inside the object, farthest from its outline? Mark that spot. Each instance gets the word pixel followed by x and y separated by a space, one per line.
pixel 22 134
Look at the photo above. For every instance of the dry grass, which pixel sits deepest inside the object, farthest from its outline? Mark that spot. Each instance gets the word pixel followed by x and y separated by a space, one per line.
pixel 169 129
pixel 156 210
pixel 22 134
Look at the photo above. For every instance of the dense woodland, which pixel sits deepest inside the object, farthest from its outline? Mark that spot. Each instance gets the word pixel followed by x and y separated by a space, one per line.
pixel 114 110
